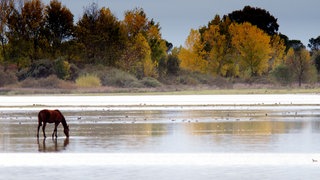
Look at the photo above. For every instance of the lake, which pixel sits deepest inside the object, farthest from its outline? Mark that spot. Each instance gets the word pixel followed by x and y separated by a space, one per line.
pixel 163 137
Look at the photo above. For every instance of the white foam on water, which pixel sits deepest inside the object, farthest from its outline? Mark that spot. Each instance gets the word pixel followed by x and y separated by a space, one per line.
pixel 70 100
pixel 163 159
pixel 168 108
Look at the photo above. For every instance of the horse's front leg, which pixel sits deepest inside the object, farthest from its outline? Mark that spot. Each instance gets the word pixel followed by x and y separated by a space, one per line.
pixel 44 130
pixel 55 131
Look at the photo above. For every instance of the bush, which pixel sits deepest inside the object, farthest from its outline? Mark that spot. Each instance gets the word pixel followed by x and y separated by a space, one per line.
pixel 50 82
pixel 150 82
pixel 282 75
pixel 187 80
pixel 116 77
pixel 45 68
pixel 110 76
pixel 39 69
pixel 136 84
pixel 74 72
pixel 195 78
pixel 7 78
pixel 88 81
pixel 62 69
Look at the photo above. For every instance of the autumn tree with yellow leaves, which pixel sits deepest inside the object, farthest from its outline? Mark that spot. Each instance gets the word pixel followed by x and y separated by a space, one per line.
pixel 278 49
pixel 145 46
pixel 191 55
pixel 231 49
pixel 253 48
pixel 218 49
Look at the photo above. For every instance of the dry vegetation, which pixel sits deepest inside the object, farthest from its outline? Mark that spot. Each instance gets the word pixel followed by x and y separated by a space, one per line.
pixel 103 80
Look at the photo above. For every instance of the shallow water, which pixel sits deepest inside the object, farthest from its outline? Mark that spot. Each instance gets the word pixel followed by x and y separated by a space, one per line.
pixel 168 131
pixel 164 142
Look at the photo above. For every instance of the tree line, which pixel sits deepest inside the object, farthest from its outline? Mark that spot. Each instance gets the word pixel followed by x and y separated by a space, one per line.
pixel 246 44
pixel 243 44
pixel 31 31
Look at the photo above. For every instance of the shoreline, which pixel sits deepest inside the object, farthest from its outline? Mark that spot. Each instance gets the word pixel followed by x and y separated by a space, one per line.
pixel 163 90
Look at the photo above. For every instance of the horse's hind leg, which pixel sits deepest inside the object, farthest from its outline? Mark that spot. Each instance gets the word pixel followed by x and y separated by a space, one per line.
pixel 38 130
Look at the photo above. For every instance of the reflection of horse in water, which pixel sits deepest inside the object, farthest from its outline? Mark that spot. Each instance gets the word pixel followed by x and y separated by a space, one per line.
pixel 55 147
pixel 52 116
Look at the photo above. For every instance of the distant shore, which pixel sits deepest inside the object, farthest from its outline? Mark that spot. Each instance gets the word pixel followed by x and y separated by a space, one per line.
pixel 164 90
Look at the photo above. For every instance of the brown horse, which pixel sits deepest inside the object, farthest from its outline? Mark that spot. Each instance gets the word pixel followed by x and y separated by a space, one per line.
pixel 52 116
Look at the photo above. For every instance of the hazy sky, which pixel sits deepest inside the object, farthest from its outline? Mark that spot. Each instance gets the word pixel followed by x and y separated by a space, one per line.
pixel 297 19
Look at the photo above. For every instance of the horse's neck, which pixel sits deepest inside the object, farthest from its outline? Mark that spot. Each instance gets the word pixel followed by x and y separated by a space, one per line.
pixel 64 123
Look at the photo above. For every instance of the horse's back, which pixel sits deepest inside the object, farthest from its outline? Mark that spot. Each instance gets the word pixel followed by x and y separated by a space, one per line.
pixel 49 116
pixel 43 113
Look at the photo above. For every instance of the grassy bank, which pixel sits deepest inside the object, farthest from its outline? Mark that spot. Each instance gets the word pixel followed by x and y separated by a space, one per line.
pixel 164 90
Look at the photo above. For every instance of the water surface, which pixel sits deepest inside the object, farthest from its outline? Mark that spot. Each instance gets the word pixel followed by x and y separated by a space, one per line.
pixel 164 142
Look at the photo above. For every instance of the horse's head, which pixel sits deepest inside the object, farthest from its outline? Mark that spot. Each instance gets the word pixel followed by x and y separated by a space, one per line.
pixel 66 131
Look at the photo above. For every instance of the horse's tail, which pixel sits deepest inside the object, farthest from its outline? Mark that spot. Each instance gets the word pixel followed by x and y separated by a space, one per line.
pixel 40 118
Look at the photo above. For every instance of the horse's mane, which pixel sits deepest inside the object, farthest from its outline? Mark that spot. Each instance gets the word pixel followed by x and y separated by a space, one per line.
pixel 64 123
pixel 59 113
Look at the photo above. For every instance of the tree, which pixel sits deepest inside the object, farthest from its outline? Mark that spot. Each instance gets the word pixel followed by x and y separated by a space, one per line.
pixel 278 51
pixel 101 35
pixel 58 25
pixel 86 32
pixel 299 62
pixel 173 64
pixel 136 56
pixel 314 44
pixel 112 37
pixel 157 45
pixel 218 48
pixel 253 48
pixel 191 55
pixel 25 27
pixel 136 22
pixel 33 16
pixel 256 16
pixel 316 60
pixel 296 45
pixel 4 12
